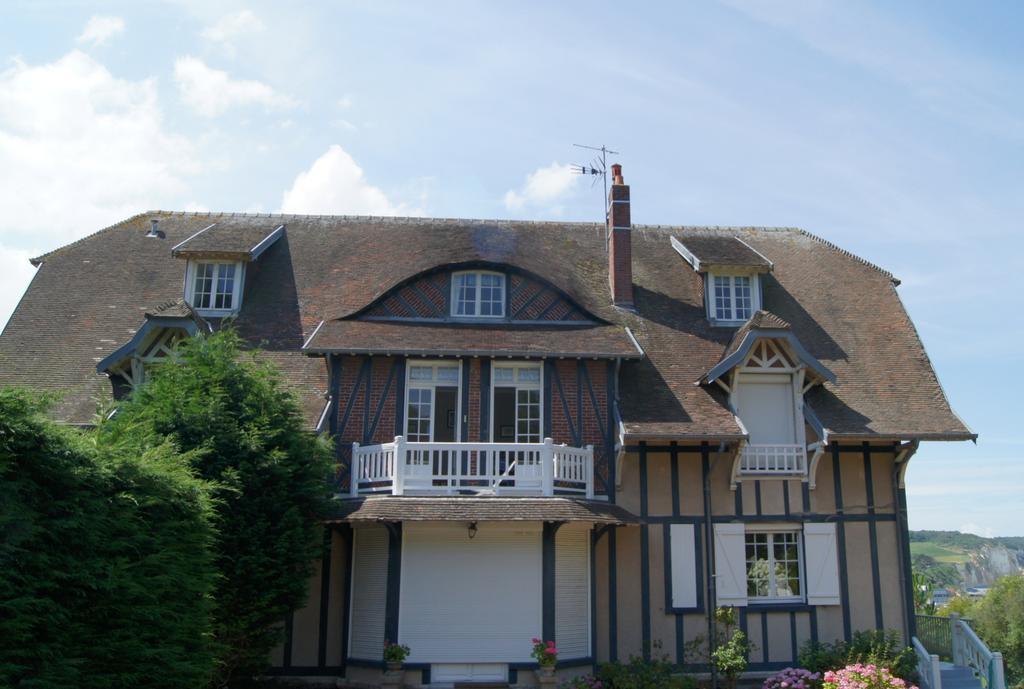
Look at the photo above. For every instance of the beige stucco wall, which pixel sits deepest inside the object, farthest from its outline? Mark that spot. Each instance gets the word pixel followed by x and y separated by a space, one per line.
pixel 774 496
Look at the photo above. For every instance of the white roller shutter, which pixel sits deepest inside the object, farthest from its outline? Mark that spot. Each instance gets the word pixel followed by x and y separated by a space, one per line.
pixel 821 555
pixel 369 590
pixel 730 565
pixel 469 600
pixel 572 591
pixel 683 554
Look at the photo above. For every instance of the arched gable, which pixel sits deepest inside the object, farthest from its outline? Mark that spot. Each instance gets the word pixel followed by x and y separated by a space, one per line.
pixel 428 297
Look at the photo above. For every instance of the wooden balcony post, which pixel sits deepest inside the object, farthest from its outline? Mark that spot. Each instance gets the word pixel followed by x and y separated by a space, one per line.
pixel 547 463
pixel 398 477
pixel 589 471
pixel 353 472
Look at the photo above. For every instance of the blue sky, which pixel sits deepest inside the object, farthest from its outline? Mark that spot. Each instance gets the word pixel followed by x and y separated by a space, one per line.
pixel 894 130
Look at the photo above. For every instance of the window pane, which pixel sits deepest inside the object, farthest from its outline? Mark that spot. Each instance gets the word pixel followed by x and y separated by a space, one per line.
pixel 527 416
pixel 421 373
pixel 723 298
pixel 448 373
pixel 503 375
pixel 419 411
pixel 743 298
pixel 225 286
pixel 758 565
pixel 529 375
pixel 202 290
pixel 465 294
pixel 492 295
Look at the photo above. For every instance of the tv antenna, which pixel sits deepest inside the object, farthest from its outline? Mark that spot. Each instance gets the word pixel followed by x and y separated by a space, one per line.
pixel 598 168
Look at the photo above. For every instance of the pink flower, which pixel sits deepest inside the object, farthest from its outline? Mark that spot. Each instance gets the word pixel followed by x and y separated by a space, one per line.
pixel 551 649
pixel 536 641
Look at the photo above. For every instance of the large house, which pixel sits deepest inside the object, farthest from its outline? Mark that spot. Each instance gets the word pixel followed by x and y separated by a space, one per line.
pixel 591 433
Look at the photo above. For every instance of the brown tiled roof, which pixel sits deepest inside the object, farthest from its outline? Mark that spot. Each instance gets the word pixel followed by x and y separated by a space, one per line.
pixel 722 250
pixel 236 236
pixel 469 509
pixel 431 339
pixel 89 297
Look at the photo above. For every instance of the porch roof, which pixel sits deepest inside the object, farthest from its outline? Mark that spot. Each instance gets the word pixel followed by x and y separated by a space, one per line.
pixel 421 339
pixel 475 509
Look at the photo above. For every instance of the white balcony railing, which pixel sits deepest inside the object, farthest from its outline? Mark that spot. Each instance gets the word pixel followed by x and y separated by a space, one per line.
pixel 773 459
pixel 403 468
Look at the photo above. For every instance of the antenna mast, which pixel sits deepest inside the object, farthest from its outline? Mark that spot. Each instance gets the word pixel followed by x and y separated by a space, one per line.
pixel 598 168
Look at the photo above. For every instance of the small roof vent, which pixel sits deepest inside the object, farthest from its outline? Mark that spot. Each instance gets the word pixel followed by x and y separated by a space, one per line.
pixel 154 230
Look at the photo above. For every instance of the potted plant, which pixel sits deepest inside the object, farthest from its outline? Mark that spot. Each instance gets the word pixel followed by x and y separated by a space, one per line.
pixel 546 655
pixel 395 655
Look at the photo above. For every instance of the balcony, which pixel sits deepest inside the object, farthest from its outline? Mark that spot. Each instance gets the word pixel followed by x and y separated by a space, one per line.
pixel 529 469
pixel 774 460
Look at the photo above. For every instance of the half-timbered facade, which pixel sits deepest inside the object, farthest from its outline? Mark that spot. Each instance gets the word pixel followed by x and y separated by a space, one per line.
pixel 591 433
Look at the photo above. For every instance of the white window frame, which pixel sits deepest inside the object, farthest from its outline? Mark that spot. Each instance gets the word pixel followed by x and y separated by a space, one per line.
pixel 773 530
pixel 432 385
pixel 236 288
pixel 516 366
pixel 712 293
pixel 477 300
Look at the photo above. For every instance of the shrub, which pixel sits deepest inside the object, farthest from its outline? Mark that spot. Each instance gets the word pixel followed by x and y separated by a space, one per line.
pixel 793 678
pixel 582 682
pixel 730 658
pixel 860 676
pixel 819 656
pixel 105 558
pixel 637 673
pixel 245 433
pixel 872 647
pixel 998 618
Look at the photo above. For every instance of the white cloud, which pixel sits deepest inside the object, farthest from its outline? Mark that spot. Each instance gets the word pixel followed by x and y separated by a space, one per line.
pixel 211 91
pixel 335 185
pixel 231 27
pixel 100 29
pixel 80 149
pixel 543 186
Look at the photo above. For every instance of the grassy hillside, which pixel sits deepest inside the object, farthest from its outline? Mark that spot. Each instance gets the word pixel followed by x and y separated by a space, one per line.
pixel 937 554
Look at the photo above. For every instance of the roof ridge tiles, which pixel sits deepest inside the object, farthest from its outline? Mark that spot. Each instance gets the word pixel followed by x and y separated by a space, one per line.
pixel 849 254
pixel 42 257
pixel 403 219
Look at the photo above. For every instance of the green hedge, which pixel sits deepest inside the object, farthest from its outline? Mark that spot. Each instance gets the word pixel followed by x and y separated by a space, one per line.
pixel 105 562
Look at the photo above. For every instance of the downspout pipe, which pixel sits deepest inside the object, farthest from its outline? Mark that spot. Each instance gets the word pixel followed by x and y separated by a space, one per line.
pixel 903 455
pixel 709 533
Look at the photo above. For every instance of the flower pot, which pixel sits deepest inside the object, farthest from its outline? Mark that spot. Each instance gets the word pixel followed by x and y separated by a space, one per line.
pixel 547 670
pixel 394 666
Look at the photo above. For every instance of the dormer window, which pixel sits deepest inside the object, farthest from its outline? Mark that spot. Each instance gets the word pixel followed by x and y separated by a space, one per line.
pixel 479 294
pixel 733 298
pixel 214 288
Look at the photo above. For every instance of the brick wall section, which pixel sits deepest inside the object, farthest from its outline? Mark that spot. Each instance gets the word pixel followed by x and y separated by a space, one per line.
pixel 360 419
pixel 589 420
pixel 426 297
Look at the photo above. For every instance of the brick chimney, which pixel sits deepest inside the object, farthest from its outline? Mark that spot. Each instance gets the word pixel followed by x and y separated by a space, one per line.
pixel 620 250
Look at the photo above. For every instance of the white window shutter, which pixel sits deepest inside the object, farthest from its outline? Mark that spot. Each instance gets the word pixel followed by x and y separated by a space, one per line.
pixel 730 565
pixel 683 554
pixel 821 556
